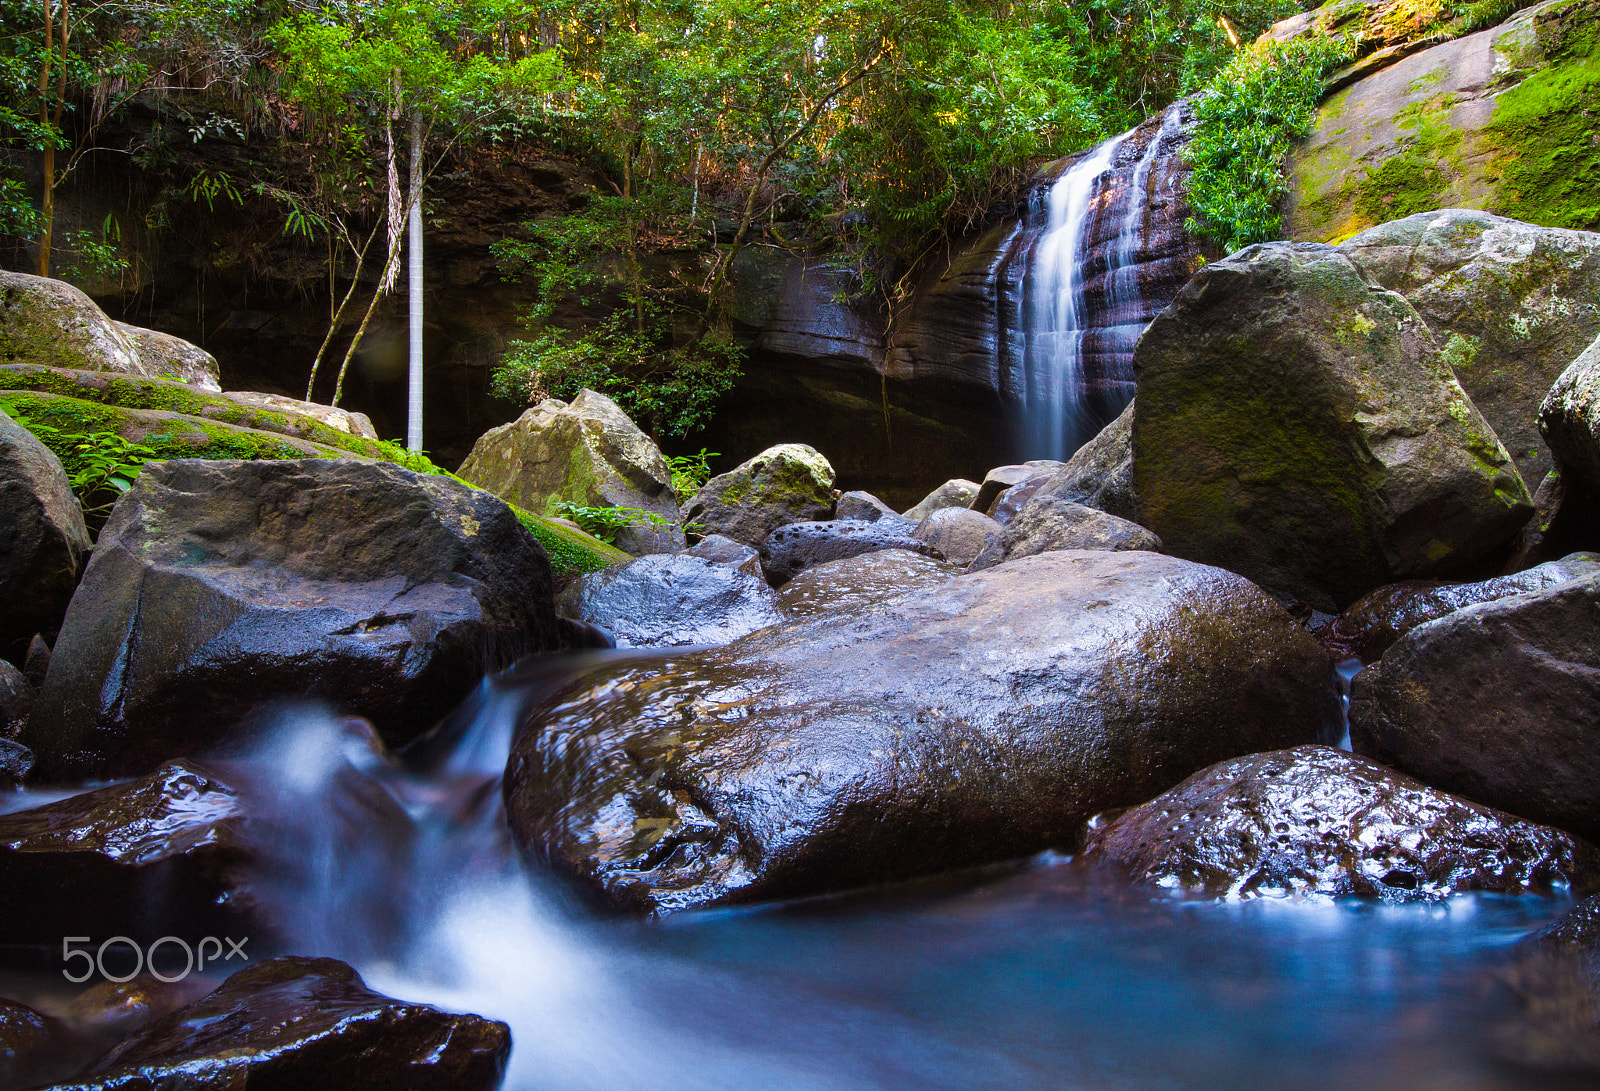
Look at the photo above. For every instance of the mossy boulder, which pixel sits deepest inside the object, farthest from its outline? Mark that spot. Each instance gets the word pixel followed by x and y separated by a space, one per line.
pixel 789 483
pixel 1297 424
pixel 323 426
pixel 1498 120
pixel 51 323
pixel 588 454
pixel 42 539
pixel 1511 305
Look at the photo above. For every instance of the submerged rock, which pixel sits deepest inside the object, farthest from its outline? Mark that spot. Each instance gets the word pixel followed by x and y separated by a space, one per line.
pixel 1499 702
pixel 219 586
pixel 146 858
pixel 792 549
pixel 959 535
pixel 1297 424
pixel 981 719
pixel 673 599
pixel 42 539
pixel 958 492
pixel 589 454
pixel 1318 821
pixel 789 483
pixel 305 1022
pixel 850 584
pixel 1382 617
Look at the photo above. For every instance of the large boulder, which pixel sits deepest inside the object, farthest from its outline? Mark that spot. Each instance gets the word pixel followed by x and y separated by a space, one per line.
pixel 1313 820
pixel 340 420
pixel 1100 473
pixel 1297 424
pixel 1570 420
pixel 587 454
pixel 1510 303
pixel 42 539
pixel 1380 618
pixel 981 719
pixel 789 483
pixel 959 535
pixel 673 599
pixel 168 357
pixel 305 1022
pixel 958 492
pixel 1047 522
pixel 854 582
pixel 218 586
pixel 150 857
pixel 1499 702
pixel 792 549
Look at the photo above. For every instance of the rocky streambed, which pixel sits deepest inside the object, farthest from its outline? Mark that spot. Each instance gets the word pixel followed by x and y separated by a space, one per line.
pixel 320 774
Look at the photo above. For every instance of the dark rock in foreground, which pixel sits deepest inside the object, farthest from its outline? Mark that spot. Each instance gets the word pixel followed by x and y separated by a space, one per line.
pixel 146 858
pixel 850 584
pixel 42 539
pixel 29 1043
pixel 302 1023
pixel 982 719
pixel 1297 424
pixel 1555 985
pixel 1318 821
pixel 1380 618
pixel 1499 702
pixel 217 586
pixel 672 599
pixel 790 550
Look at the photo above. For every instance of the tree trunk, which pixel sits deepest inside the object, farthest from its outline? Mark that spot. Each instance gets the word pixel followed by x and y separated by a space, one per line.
pixel 414 288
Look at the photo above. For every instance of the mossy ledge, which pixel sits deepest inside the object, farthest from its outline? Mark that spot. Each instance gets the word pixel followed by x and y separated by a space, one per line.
pixel 572 552
pixel 134 392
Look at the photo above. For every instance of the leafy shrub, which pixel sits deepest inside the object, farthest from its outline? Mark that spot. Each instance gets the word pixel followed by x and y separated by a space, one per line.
pixel 1247 119
pixel 100 466
pixel 689 472
pixel 604 522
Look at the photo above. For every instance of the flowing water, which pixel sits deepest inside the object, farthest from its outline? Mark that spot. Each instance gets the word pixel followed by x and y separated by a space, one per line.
pixel 1028 976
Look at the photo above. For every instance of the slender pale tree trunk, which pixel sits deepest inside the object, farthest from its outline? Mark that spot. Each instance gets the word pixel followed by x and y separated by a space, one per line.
pixel 414 287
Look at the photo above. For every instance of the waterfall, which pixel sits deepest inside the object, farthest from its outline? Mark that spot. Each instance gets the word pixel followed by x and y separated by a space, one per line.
pixel 1104 263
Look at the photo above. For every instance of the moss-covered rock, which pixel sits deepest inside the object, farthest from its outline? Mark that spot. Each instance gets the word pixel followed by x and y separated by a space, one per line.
pixel 1497 120
pixel 571 551
pixel 262 413
pixel 789 483
pixel 589 454
pixel 1297 424
pixel 1511 305
pixel 169 357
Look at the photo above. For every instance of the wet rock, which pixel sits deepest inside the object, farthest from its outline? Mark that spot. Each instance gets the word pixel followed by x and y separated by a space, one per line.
pixel 850 584
pixel 37 663
pixel 720 550
pixel 1543 536
pixel 108 1011
pixel 167 357
pixel 42 538
pixel 1511 303
pixel 589 454
pixel 29 1042
pixel 1298 424
pixel 1048 523
pixel 1555 986
pixel 1001 479
pixel 219 586
pixel 956 493
pixel 16 700
pixel 959 535
pixel 790 550
pixel 1570 419
pixel 16 761
pixel 340 420
pixel 306 1022
pixel 146 858
pixel 981 719
pixel 863 506
pixel 673 599
pixel 789 483
pixel 1100 474
pixel 1318 821
pixel 1382 617
pixel 1499 702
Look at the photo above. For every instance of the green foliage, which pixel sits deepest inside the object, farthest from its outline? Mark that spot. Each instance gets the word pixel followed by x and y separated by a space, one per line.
pixel 1248 118
pixel 690 472
pixel 602 521
pixel 100 466
pixel 571 552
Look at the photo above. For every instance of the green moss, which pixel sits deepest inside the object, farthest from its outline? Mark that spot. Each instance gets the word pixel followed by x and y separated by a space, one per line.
pixel 1460 352
pixel 133 392
pixel 168 437
pixel 571 552
pixel 1416 178
pixel 1545 127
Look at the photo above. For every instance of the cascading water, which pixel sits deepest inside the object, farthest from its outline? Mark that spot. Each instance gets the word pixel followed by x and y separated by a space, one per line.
pixel 1103 264
pixel 407 871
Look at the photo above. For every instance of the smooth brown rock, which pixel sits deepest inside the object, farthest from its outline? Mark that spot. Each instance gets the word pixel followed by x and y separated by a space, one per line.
pixel 305 1022
pixel 981 719
pixel 1100 474
pixel 1318 821
pixel 957 492
pixel 959 535
pixel 1046 523
pixel 1499 702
